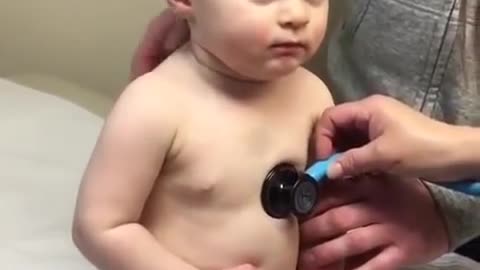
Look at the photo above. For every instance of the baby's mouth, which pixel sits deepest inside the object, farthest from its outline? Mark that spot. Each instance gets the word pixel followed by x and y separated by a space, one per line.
pixel 289 48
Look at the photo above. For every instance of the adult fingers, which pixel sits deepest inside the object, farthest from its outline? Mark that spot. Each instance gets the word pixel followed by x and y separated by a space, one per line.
pixel 334 120
pixel 335 222
pixel 369 158
pixel 157 42
pixel 353 243
pixel 389 259
pixel 337 193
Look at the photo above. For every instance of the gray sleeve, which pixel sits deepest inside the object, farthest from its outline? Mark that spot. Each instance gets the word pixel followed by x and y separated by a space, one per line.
pixel 461 213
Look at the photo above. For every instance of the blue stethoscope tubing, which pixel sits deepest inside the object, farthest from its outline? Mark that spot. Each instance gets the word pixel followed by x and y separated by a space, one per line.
pixel 318 171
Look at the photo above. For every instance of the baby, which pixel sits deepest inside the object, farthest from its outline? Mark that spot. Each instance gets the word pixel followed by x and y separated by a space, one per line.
pixel 175 179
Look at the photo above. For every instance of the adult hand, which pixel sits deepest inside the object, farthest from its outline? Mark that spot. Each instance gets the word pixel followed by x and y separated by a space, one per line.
pixel 395 139
pixel 374 224
pixel 164 34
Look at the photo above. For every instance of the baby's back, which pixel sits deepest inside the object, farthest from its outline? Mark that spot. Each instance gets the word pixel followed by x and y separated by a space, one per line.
pixel 205 207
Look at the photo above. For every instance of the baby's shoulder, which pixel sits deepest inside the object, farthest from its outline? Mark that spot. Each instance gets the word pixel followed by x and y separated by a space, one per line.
pixel 311 83
pixel 311 89
pixel 152 89
pixel 148 101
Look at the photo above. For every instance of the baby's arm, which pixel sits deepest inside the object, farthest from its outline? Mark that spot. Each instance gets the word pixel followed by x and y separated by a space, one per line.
pixel 321 96
pixel 123 168
pixel 318 98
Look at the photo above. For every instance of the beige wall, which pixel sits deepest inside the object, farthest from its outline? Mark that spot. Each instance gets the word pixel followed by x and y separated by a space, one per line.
pixel 87 42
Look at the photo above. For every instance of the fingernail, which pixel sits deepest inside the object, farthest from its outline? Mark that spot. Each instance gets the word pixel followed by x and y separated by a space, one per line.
pixel 335 171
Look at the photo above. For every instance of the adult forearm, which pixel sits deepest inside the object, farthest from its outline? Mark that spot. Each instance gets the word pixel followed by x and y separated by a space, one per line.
pixel 467 155
pixel 130 247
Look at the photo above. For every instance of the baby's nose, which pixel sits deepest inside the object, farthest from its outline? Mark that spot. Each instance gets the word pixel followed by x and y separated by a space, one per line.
pixel 294 14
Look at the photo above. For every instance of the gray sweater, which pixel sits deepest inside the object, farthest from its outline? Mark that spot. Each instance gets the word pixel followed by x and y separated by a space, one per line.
pixel 416 51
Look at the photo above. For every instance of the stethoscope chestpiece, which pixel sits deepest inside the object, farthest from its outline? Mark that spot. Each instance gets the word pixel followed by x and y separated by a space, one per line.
pixel 285 191
pixel 304 195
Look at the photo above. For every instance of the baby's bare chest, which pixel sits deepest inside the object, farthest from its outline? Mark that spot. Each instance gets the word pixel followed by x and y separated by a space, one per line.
pixel 224 156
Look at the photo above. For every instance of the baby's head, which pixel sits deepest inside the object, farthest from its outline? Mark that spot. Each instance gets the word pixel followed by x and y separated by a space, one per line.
pixel 256 39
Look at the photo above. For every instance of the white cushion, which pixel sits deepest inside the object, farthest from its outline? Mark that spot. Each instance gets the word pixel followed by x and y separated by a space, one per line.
pixel 45 143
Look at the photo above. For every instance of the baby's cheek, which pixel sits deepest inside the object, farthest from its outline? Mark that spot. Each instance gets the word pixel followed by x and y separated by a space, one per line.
pixel 252 35
pixel 319 28
pixel 261 35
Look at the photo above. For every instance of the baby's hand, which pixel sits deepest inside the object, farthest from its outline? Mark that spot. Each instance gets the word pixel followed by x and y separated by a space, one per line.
pixel 242 267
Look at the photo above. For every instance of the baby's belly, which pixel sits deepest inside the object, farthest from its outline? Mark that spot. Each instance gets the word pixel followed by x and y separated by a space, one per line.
pixel 213 239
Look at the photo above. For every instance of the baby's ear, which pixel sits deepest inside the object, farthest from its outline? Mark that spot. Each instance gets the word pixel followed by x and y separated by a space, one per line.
pixel 183 8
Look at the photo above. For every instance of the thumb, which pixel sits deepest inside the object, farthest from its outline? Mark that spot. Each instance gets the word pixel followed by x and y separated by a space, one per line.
pixel 356 161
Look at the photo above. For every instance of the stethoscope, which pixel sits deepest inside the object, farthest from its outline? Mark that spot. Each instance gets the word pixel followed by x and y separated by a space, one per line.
pixel 287 191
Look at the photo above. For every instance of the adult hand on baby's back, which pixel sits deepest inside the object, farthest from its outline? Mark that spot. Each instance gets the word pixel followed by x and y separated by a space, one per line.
pixel 374 224
pixel 164 34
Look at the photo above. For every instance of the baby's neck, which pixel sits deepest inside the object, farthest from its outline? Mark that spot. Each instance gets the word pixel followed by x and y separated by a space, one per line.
pixel 220 76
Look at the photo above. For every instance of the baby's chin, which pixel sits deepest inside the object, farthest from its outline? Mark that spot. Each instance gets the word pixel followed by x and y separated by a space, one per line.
pixel 273 71
pixel 265 71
